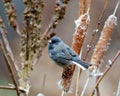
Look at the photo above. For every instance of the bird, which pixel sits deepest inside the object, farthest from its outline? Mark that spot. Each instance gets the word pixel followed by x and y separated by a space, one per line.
pixel 63 55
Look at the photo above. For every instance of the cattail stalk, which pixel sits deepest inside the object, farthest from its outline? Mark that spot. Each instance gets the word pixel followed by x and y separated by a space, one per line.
pixel 78 38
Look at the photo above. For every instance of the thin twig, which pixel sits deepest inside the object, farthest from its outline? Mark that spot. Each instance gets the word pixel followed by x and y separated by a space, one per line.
pixel 9 50
pixel 97 28
pixel 62 94
pixel 8 87
pixel 118 90
pixel 105 72
pixel 9 67
pixel 77 82
pixel 78 76
pixel 85 86
pixel 43 84
pixel 116 7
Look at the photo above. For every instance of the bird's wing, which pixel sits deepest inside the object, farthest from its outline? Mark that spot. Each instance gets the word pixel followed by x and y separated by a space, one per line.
pixel 63 53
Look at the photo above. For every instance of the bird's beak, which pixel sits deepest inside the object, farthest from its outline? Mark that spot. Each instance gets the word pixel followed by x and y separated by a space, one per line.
pixel 49 41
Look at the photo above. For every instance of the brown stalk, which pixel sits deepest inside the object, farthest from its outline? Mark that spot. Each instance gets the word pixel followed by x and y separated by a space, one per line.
pixel 3 32
pixel 78 39
pixel 9 65
pixel 118 89
pixel 7 87
pixel 105 72
pixel 84 5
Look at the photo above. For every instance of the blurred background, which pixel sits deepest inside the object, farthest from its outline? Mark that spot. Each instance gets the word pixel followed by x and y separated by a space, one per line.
pixel 45 70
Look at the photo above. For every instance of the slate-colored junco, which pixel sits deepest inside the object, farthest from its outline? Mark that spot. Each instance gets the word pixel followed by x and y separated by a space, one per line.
pixel 63 55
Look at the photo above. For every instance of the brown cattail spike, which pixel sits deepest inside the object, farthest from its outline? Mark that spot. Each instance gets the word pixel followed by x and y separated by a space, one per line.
pixel 102 44
pixel 79 35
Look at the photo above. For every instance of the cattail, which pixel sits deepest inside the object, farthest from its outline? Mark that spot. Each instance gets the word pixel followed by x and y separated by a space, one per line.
pixel 59 13
pixel 102 45
pixel 78 38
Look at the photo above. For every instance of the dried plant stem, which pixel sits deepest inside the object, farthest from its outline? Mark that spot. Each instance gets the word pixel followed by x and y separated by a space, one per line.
pixel 84 6
pixel 118 90
pixel 8 62
pixel 105 72
pixel 101 46
pixel 62 94
pixel 79 35
pixel 85 86
pixel 96 29
pixel 9 50
pixel 79 71
pixel 116 7
pixel 50 26
pixel 7 87
pixel 44 82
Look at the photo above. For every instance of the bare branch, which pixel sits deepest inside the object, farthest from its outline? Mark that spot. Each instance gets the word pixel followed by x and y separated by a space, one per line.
pixel 7 87
pixel 9 67
pixel 105 72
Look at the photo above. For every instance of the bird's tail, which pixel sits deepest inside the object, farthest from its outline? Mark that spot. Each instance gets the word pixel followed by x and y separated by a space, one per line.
pixel 82 64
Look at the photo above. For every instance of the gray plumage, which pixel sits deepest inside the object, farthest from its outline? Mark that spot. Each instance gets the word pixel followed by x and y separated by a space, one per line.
pixel 63 55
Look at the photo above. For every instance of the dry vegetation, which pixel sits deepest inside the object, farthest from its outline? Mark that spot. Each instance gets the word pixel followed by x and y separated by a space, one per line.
pixel 33 42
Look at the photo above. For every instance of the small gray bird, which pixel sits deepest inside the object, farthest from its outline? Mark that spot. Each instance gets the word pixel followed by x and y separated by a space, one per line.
pixel 63 55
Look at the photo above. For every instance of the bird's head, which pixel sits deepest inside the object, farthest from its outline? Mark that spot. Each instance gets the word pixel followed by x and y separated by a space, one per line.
pixel 53 42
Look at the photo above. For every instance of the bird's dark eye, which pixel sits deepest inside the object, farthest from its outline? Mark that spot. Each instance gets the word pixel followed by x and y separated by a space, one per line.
pixel 55 41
